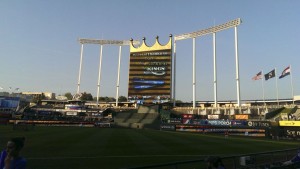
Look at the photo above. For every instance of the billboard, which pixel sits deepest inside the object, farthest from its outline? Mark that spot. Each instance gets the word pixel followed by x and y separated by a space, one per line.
pixel 241 116
pixel 292 132
pixel 289 123
pixel 9 102
pixel 150 71
pixel 222 130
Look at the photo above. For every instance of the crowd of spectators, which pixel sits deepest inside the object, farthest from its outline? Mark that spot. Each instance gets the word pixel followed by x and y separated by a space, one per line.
pixel 54 117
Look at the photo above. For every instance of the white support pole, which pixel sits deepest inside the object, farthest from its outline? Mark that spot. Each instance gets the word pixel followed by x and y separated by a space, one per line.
pixel 101 42
pixel 292 84
pixel 99 74
pixel 277 97
pixel 263 88
pixel 194 72
pixel 174 76
pixel 210 30
pixel 237 68
pixel 80 67
pixel 118 80
pixel 215 69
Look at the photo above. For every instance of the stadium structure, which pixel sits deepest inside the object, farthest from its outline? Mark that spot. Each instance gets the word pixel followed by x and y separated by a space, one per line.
pixel 151 95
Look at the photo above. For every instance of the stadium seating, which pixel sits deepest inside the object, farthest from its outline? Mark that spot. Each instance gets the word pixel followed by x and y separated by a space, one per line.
pixel 144 117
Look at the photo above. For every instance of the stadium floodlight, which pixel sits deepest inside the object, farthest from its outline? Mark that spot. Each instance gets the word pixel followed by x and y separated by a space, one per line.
pixel 107 42
pixel 193 35
pixel 102 42
pixel 207 31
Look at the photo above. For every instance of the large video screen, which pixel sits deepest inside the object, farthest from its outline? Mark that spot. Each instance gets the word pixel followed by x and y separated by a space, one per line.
pixel 150 76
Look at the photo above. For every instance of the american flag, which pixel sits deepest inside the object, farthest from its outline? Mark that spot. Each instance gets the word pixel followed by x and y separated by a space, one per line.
pixel 257 76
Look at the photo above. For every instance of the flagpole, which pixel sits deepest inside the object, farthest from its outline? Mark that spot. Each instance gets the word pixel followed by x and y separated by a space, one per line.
pixel 276 87
pixel 292 85
pixel 263 89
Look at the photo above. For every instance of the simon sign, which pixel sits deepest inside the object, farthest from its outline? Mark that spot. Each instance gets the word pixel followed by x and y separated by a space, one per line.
pixel 150 71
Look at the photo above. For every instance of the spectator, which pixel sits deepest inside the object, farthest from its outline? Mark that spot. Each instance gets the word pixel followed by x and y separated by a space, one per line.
pixel 214 163
pixel 13 160
pixel 2 158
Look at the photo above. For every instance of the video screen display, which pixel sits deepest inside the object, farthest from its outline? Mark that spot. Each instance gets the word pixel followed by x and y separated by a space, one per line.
pixel 150 76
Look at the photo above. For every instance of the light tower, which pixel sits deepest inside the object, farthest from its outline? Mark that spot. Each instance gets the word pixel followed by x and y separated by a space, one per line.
pixel 194 35
pixel 102 42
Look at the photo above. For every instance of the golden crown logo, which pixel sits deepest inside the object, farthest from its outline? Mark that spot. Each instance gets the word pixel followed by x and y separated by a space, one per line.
pixel 156 46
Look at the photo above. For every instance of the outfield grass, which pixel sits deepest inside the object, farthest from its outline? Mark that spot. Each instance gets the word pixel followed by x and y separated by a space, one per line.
pixel 109 148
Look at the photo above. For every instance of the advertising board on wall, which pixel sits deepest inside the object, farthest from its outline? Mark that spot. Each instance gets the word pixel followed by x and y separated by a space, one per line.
pixel 292 132
pixel 150 71
pixel 245 123
pixel 259 124
pixel 289 123
pixel 257 132
pixel 241 116
pixel 213 116
pixel 167 127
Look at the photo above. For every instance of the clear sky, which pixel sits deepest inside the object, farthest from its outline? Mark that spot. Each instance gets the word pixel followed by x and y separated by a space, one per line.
pixel 39 47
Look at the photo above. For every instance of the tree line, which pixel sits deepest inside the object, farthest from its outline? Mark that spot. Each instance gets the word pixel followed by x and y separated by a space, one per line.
pixel 89 97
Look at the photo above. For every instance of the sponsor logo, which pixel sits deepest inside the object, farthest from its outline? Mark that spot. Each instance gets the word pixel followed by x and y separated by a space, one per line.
pixel 156 70
pixel 219 122
pixel 289 123
pixel 258 124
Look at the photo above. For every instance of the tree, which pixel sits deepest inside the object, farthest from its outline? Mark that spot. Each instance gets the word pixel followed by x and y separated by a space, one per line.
pixel 122 99
pixel 112 99
pixel 69 95
pixel 105 99
pixel 101 99
pixel 86 97
pixel 179 101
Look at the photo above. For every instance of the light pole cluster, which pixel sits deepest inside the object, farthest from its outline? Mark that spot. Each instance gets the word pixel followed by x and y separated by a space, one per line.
pixel 102 43
pixel 194 35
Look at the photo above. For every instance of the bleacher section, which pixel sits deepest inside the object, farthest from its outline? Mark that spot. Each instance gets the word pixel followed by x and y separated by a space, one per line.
pixel 283 114
pixel 148 109
pixel 144 117
pixel 297 114
pixel 273 114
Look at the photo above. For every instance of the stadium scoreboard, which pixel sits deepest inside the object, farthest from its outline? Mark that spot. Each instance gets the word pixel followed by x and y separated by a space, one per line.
pixel 150 70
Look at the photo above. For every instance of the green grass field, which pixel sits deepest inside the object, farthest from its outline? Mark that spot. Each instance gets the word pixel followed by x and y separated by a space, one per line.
pixel 109 148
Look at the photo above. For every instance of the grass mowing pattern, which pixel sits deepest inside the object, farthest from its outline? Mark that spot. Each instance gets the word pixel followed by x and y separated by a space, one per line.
pixel 109 148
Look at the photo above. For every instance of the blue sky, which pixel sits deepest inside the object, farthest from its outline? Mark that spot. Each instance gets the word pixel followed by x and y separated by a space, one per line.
pixel 39 47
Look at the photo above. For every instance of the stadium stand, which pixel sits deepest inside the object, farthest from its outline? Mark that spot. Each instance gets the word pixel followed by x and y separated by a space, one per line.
pixel 273 114
pixel 297 114
pixel 144 117
pixel 282 114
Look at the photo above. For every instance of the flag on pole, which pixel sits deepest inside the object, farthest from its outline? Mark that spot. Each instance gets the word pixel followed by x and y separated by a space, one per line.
pixel 9 88
pixel 285 72
pixel 257 76
pixel 270 75
pixel 17 89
